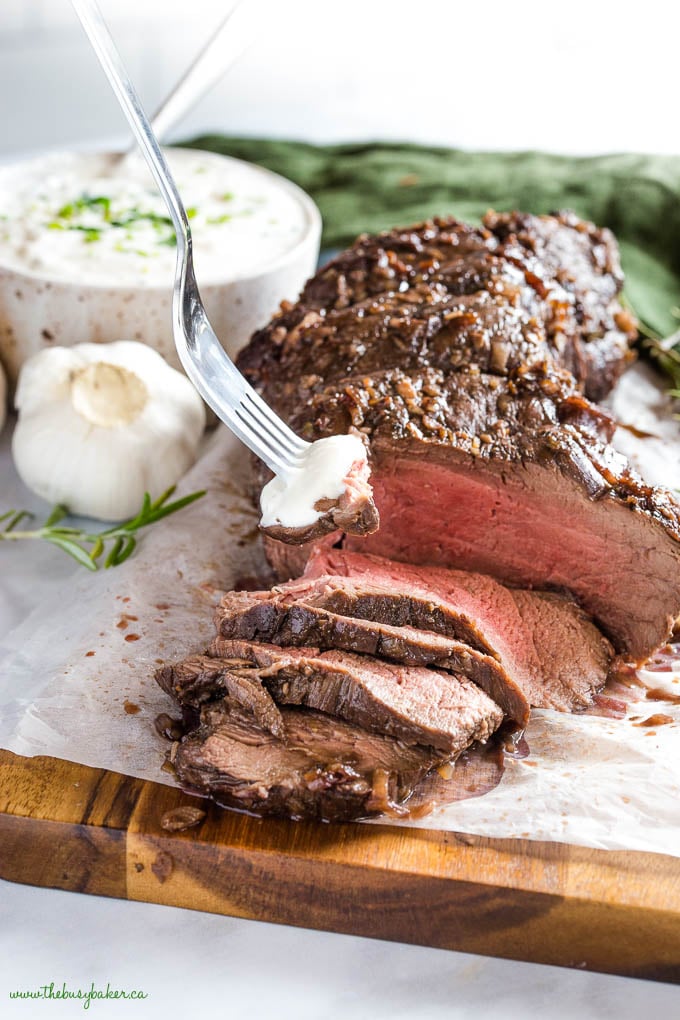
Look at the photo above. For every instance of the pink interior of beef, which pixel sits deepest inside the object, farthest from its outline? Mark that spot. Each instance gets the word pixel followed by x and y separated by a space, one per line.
pixel 574 654
pixel 546 643
pixel 478 600
pixel 356 482
pixel 523 529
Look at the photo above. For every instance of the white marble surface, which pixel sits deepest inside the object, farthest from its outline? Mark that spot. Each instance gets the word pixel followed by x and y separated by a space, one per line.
pixel 194 965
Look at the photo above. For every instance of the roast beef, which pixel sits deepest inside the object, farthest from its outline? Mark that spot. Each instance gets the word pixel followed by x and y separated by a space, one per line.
pixel 200 679
pixel 324 769
pixel 413 704
pixel 299 618
pixel 515 293
pixel 463 355
pixel 545 642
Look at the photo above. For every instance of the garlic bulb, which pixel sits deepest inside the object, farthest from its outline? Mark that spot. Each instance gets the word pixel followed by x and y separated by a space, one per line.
pixel 3 396
pixel 101 424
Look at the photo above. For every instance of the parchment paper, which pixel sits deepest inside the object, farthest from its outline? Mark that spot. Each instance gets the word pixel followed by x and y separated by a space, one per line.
pixel 76 677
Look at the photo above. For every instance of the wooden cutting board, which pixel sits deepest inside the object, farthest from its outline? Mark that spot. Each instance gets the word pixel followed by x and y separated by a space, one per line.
pixel 67 826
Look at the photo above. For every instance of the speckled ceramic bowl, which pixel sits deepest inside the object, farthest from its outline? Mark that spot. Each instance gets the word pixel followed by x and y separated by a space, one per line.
pixel 36 311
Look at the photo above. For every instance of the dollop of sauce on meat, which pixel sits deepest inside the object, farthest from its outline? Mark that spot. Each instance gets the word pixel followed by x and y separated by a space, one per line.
pixel 329 491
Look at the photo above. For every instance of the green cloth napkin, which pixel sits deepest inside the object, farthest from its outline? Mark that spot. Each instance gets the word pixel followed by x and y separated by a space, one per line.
pixel 372 186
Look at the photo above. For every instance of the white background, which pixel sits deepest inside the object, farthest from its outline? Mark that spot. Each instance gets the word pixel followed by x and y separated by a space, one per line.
pixel 579 76
pixel 571 77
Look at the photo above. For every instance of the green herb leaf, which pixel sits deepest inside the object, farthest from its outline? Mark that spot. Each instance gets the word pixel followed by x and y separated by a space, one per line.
pixel 73 549
pixel 667 359
pixel 126 551
pixel 97 549
pixel 98 201
pixel 88 548
pixel 112 558
pixel 172 508
pixel 16 519
pixel 163 498
pixel 58 513
pixel 663 352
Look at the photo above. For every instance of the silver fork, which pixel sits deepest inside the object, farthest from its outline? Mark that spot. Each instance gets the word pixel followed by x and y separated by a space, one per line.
pixel 204 360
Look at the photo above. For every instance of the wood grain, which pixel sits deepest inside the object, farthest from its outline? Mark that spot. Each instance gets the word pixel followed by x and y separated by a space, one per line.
pixel 88 830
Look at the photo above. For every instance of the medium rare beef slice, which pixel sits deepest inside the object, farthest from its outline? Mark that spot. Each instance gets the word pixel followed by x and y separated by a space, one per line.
pixel 325 769
pixel 575 657
pixel 292 618
pixel 379 590
pixel 413 704
pixel 549 647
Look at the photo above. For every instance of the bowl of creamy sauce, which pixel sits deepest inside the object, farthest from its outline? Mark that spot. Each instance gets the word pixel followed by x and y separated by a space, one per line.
pixel 87 249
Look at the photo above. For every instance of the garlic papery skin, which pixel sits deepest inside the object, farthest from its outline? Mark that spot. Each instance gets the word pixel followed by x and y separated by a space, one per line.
pixel 3 397
pixel 101 424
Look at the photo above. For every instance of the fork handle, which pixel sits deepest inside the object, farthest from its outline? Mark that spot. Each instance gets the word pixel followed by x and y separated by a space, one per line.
pixel 95 27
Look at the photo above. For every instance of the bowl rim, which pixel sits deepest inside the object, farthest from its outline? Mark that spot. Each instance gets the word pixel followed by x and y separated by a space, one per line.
pixel 311 233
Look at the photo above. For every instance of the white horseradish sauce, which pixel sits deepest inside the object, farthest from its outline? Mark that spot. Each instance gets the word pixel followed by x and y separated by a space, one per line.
pixel 289 501
pixel 86 219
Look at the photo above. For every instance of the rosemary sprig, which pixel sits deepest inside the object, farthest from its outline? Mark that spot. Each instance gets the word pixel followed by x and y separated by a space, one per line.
pixel 88 549
pixel 663 351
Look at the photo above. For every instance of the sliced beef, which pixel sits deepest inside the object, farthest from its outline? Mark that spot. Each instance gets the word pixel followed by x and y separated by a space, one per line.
pixel 563 511
pixel 199 679
pixel 354 512
pixel 413 704
pixel 463 355
pixel 323 769
pixel 298 617
pixel 555 624
pixel 546 643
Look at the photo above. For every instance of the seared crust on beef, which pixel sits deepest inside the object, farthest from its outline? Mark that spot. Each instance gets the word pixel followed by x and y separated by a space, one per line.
pixel 518 292
pixel 534 417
